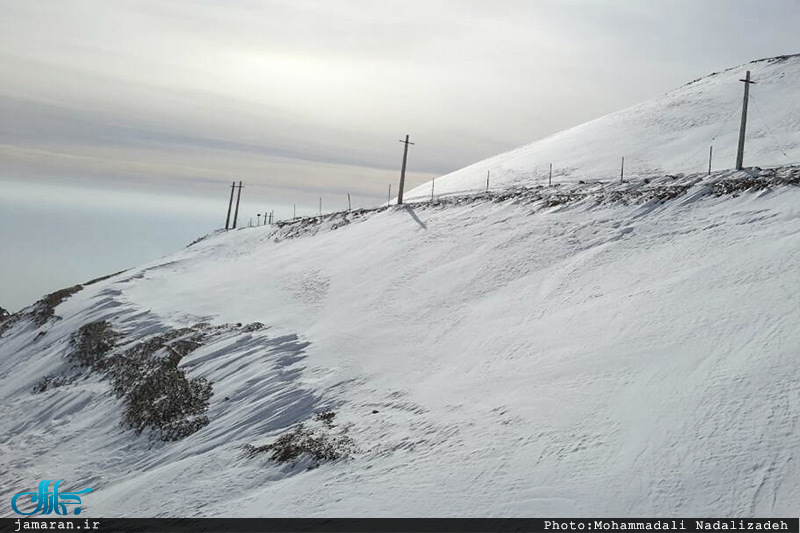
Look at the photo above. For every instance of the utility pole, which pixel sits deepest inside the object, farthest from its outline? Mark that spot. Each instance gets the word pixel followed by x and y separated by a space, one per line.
pixel 389 199
pixel 487 181
pixel 550 177
pixel 294 211
pixel 403 171
pixel 622 170
pixel 710 153
pixel 230 205
pixel 743 127
pixel 349 203
pixel 433 183
pixel 236 212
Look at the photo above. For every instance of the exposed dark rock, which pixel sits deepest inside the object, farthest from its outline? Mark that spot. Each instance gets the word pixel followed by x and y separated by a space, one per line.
pixel 158 396
pixel 44 309
pixel 317 444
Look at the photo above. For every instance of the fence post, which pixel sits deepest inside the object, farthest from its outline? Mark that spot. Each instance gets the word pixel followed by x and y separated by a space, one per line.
pixel 710 153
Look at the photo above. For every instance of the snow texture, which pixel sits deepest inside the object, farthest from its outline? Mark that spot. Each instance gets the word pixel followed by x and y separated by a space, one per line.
pixel 578 350
pixel 669 134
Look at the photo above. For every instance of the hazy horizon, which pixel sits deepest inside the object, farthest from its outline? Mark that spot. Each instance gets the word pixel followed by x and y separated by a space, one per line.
pixel 143 102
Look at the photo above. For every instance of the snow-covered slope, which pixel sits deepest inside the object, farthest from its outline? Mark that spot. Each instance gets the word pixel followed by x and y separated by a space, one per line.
pixel 668 134
pixel 586 349
pixel 563 355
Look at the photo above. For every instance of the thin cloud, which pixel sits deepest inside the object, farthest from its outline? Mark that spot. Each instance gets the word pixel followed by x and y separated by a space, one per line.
pixel 303 94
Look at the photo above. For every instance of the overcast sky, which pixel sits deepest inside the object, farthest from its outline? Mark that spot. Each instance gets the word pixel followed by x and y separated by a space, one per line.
pixel 122 122
pixel 310 97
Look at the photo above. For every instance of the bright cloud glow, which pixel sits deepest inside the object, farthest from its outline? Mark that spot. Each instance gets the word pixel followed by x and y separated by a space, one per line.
pixel 305 96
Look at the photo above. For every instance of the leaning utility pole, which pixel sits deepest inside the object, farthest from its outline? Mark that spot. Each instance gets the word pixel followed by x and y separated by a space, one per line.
pixel 743 127
pixel 230 205
pixel 403 171
pixel 236 212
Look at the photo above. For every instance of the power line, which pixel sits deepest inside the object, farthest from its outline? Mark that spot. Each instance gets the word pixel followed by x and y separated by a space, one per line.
pixel 764 123
pixel 724 123
pixel 700 149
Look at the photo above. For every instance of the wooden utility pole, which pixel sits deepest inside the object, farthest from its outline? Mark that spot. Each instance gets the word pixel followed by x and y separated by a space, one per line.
pixel 230 205
pixel 487 181
pixel 403 171
pixel 550 177
pixel 743 127
pixel 710 154
pixel 622 170
pixel 433 183
pixel 236 212
pixel 349 203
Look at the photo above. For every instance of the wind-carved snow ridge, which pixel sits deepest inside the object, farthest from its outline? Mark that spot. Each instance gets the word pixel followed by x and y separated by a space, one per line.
pixel 62 389
pixel 651 190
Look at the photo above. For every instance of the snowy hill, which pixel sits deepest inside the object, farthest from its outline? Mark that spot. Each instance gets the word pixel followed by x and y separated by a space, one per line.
pixel 626 349
pixel 668 134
